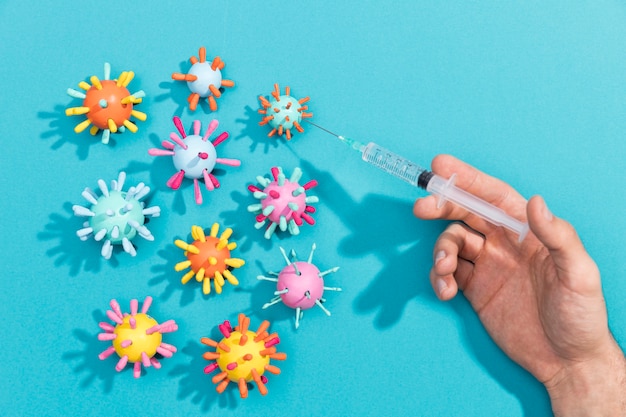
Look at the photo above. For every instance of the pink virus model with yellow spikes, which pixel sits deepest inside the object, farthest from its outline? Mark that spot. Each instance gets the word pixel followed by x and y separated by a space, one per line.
pixel 299 285
pixel 107 104
pixel 209 258
pixel 136 337
pixel 194 156
pixel 243 356
pixel 284 203
pixel 283 112
pixel 204 80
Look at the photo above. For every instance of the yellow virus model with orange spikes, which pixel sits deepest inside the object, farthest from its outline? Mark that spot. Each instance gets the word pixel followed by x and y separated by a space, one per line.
pixel 283 112
pixel 204 80
pixel 209 259
pixel 107 104
pixel 243 356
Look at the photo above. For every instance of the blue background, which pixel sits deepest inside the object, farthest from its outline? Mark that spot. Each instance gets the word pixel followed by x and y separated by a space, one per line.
pixel 533 92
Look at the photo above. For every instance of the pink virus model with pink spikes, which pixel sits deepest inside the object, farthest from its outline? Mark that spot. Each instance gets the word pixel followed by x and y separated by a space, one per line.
pixel 299 285
pixel 283 202
pixel 136 337
pixel 194 156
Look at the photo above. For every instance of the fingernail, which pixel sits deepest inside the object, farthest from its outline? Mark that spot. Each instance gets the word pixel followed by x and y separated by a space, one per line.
pixel 439 256
pixel 441 286
pixel 547 213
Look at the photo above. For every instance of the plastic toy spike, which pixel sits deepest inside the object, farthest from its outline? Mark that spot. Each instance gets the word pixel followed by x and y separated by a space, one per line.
pixel 284 203
pixel 107 104
pixel 243 356
pixel 116 216
pixel 194 156
pixel 204 80
pixel 299 285
pixel 136 337
pixel 209 258
pixel 283 112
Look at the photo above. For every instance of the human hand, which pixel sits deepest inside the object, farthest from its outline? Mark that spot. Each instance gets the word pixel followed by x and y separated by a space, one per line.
pixel 540 300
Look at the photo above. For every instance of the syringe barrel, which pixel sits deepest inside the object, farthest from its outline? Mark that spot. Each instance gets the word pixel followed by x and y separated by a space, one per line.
pixel 394 164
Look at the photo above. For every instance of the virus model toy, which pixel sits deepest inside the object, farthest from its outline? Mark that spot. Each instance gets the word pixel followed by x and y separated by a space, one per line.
pixel 107 104
pixel 194 156
pixel 116 216
pixel 243 356
pixel 136 337
pixel 208 258
pixel 284 202
pixel 204 80
pixel 299 285
pixel 283 112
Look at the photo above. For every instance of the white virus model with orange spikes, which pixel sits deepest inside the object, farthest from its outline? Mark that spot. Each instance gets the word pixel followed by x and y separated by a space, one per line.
pixel 299 285
pixel 136 337
pixel 194 156
pixel 107 104
pixel 116 216
pixel 208 258
pixel 283 202
pixel 243 356
pixel 204 80
pixel 283 112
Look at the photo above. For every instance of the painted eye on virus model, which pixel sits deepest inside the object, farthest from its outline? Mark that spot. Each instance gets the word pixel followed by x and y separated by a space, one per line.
pixel 299 285
pixel 243 356
pixel 208 258
pixel 136 337
pixel 283 112
pixel 107 104
pixel 194 156
pixel 116 216
pixel 283 202
pixel 204 80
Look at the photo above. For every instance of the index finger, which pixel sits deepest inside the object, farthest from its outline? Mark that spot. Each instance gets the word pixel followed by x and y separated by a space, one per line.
pixel 476 182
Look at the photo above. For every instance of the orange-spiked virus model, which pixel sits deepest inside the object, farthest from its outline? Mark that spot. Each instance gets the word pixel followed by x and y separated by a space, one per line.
pixel 284 203
pixel 194 156
pixel 116 216
pixel 204 80
pixel 209 258
pixel 299 285
pixel 283 112
pixel 136 337
pixel 107 104
pixel 243 356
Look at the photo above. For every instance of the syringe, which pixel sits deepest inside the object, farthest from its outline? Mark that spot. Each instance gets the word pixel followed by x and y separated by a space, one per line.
pixel 444 189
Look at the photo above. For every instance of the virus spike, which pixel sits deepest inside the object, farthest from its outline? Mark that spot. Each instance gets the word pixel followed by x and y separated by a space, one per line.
pixel 74 111
pixel 216 63
pixel 108 352
pixel 111 125
pixel 215 91
pixel 176 180
pixel 319 304
pixel 139 115
pixel 210 368
pixel 202 54
pixel 259 383
pixel 272 369
pixel 196 192
pixel 82 126
pixel 209 342
pixel 243 388
pixel 272 302
pixel 212 103
pixel 160 152
pixel 227 83
pixel 129 77
pixel 220 377
pixel 146 304
pixel 75 93
pixel 262 328
pixel 179 126
pixel 184 77
pixel 210 129
pixel 222 386
pixel 95 81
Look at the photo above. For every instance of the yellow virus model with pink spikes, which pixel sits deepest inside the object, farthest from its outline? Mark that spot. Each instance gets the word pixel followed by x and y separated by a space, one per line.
pixel 209 258
pixel 107 104
pixel 136 337
pixel 204 80
pixel 243 356
pixel 283 112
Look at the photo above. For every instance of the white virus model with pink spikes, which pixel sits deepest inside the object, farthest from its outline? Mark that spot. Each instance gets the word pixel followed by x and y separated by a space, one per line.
pixel 116 216
pixel 299 285
pixel 194 156
pixel 136 337
pixel 283 202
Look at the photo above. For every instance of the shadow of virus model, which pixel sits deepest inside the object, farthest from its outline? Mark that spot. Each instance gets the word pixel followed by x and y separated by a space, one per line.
pixel 283 112
pixel 284 202
pixel 299 285
pixel 194 156
pixel 243 355
pixel 136 337
pixel 107 104
pixel 116 216
pixel 208 258
pixel 204 80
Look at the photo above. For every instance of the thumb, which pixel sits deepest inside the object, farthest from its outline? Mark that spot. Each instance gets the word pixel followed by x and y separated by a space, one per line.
pixel 562 241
